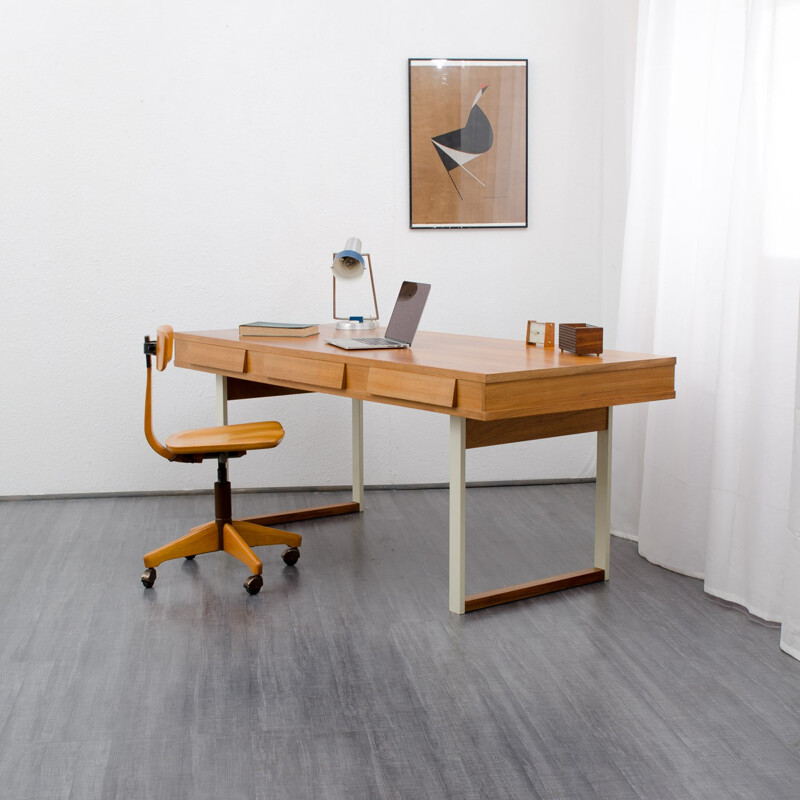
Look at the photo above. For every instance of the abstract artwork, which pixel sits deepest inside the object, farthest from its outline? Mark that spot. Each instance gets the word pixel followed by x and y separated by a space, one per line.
pixel 468 142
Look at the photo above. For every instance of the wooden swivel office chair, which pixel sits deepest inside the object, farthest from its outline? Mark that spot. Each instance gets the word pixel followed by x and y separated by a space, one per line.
pixel 236 537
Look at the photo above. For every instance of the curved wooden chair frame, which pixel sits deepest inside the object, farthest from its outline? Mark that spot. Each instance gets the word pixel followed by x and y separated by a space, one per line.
pixel 236 537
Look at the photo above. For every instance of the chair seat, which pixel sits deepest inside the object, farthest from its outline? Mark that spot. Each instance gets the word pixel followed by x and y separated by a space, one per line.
pixel 227 438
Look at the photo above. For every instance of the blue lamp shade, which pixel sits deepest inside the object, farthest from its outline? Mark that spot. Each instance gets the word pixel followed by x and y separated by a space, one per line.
pixel 349 263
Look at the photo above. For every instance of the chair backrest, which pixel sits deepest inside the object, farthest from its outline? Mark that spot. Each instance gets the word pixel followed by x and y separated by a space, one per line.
pixel 164 336
pixel 163 354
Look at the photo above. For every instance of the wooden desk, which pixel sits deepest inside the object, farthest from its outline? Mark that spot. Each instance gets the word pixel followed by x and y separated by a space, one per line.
pixel 495 391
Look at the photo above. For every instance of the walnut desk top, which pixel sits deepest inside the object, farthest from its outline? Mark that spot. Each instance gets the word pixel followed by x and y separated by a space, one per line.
pixel 474 377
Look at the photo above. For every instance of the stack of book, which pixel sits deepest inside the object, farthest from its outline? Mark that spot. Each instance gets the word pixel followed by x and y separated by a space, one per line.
pixel 278 329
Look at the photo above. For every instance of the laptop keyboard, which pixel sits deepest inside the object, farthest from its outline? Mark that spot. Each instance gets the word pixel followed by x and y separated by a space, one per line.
pixel 374 341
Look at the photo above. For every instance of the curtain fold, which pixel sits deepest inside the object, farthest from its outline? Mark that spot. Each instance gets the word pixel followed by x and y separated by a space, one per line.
pixel 703 482
pixel 790 629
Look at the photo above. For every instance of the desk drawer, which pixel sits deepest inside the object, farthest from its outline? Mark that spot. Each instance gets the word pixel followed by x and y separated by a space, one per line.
pixel 414 388
pixel 308 371
pixel 226 359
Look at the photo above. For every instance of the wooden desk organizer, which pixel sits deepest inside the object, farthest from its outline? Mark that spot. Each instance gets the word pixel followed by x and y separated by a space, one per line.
pixel 580 338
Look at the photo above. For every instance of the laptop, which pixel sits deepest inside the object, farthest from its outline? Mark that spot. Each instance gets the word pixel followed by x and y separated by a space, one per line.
pixel 402 325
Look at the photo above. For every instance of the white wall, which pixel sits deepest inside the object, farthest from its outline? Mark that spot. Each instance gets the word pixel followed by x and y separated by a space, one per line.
pixel 196 162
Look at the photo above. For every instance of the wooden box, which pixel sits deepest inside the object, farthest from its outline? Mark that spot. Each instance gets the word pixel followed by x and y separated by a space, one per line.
pixel 580 338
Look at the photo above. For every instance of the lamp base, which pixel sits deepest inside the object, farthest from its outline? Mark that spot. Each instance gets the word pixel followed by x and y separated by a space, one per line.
pixel 355 325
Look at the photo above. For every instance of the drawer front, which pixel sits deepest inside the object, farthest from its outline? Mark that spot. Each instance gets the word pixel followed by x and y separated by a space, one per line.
pixel 308 371
pixel 427 389
pixel 226 359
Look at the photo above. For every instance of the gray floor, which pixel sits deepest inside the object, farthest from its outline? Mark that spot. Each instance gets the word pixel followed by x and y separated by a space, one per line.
pixel 346 677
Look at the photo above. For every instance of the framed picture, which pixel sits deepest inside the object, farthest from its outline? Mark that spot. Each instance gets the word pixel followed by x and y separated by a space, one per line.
pixel 468 143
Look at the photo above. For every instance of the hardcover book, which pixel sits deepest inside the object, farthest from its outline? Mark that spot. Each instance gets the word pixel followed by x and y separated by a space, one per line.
pixel 278 329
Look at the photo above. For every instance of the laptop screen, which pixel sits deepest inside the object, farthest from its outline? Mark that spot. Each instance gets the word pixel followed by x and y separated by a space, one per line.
pixel 407 311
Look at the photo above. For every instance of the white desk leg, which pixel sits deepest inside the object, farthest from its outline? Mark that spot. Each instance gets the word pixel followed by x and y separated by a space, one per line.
pixel 602 501
pixel 222 400
pixel 358 453
pixel 458 513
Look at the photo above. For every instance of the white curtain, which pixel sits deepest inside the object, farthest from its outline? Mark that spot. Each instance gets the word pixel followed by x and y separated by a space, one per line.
pixel 711 274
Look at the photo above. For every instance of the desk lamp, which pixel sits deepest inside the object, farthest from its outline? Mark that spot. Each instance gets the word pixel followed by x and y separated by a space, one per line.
pixel 349 264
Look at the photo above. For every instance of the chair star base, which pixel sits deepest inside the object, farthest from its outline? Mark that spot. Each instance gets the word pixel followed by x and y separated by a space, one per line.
pixel 236 537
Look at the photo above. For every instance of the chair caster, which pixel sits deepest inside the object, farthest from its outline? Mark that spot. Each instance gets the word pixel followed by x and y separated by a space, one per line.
pixel 189 558
pixel 290 556
pixel 253 584
pixel 149 577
